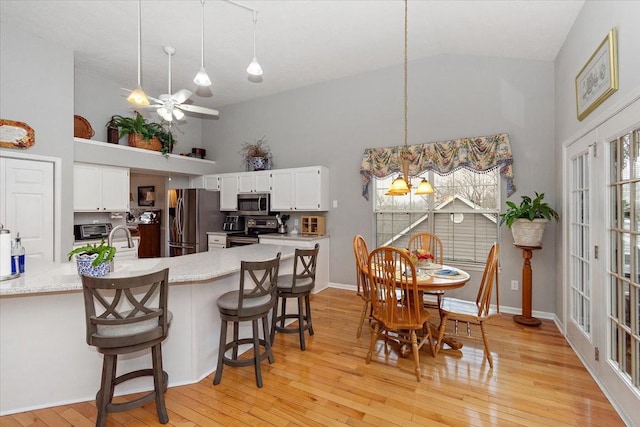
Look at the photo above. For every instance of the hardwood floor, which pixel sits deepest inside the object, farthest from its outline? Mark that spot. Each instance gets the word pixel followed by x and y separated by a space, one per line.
pixel 537 380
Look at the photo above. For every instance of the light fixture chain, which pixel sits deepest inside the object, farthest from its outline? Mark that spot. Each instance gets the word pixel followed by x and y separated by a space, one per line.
pixel 406 93
pixel 202 36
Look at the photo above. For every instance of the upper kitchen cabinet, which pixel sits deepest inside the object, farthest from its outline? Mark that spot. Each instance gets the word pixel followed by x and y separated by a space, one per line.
pixel 228 192
pixel 208 182
pixel 254 182
pixel 100 188
pixel 300 189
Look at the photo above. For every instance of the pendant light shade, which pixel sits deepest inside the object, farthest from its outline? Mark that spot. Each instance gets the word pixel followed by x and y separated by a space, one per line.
pixel 425 188
pixel 137 96
pixel 254 68
pixel 398 187
pixel 202 78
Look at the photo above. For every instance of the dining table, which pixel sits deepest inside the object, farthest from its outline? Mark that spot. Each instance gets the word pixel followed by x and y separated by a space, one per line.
pixel 439 277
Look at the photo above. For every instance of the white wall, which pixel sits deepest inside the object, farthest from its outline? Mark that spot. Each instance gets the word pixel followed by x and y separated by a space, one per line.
pixel 449 97
pixel 592 25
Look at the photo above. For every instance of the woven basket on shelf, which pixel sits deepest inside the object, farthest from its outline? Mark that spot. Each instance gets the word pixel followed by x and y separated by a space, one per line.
pixel 135 140
pixel 82 128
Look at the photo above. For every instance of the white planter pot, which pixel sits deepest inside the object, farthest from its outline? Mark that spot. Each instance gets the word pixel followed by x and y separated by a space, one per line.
pixel 528 233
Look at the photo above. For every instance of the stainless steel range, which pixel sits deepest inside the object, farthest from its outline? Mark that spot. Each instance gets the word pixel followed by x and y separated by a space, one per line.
pixel 255 227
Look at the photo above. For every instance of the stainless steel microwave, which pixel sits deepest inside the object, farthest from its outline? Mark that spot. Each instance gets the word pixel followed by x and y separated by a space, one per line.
pixel 254 204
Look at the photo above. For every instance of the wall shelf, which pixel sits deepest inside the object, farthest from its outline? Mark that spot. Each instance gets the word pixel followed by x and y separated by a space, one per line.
pixel 137 159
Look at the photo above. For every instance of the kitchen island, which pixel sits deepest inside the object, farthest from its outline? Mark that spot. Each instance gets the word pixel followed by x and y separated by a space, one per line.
pixel 44 358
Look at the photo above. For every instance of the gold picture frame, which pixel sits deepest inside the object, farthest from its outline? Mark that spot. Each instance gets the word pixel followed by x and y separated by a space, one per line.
pixel 598 79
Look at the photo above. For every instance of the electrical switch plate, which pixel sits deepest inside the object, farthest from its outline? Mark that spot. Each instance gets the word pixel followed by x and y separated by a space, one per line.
pixel 335 203
pixel 514 285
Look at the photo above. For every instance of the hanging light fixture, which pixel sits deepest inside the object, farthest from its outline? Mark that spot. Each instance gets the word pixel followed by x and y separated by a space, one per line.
pixel 137 96
pixel 402 184
pixel 254 68
pixel 202 78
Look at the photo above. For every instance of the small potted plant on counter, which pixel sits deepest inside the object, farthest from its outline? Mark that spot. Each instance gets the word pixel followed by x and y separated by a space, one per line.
pixel 257 155
pixel 528 220
pixel 93 259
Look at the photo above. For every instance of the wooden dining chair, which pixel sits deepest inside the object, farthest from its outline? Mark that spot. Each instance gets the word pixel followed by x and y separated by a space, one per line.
pixel 361 252
pixel 432 244
pixel 473 313
pixel 397 305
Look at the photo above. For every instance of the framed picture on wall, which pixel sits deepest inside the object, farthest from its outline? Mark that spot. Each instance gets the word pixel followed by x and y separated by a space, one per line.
pixel 146 195
pixel 598 79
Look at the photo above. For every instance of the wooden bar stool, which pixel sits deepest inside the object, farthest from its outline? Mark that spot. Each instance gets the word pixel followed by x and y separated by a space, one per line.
pixel 252 302
pixel 297 285
pixel 126 315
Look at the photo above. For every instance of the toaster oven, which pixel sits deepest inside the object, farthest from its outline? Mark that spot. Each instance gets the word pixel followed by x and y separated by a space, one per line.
pixel 92 231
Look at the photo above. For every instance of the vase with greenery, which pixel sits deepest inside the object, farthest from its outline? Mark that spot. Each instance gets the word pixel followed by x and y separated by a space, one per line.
pixel 93 259
pixel 144 134
pixel 256 154
pixel 528 219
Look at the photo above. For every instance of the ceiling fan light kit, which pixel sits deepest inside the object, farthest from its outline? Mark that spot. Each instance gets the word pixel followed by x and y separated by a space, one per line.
pixel 137 96
pixel 202 78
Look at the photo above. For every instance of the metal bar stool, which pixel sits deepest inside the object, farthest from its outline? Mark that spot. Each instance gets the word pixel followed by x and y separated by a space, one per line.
pixel 252 302
pixel 126 315
pixel 297 285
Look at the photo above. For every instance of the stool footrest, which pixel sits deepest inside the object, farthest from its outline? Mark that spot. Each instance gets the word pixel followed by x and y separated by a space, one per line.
pixel 136 403
pixel 244 362
pixel 292 329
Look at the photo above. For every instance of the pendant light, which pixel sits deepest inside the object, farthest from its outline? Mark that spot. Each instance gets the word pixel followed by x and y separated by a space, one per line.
pixel 202 78
pixel 402 184
pixel 254 69
pixel 137 96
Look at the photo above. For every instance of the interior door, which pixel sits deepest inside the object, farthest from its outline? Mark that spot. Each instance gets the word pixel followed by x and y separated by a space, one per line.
pixel 26 204
pixel 580 246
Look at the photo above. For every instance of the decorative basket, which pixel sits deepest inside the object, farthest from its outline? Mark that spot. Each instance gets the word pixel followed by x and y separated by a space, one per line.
pixel 86 269
pixel 136 140
pixel 82 128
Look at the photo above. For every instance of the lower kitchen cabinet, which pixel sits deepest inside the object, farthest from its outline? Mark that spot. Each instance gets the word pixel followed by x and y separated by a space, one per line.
pixel 149 240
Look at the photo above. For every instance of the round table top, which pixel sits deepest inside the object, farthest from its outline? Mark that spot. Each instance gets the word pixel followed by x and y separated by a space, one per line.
pixel 429 280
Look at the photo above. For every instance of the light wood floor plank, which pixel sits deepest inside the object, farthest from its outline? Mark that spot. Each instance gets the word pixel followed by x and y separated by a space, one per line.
pixel 537 380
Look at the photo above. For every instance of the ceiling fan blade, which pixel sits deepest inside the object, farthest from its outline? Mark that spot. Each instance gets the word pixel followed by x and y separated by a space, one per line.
pixel 197 109
pixel 147 107
pixel 181 95
pixel 164 97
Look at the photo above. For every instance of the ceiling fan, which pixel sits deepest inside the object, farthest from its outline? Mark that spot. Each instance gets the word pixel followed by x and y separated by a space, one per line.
pixel 171 106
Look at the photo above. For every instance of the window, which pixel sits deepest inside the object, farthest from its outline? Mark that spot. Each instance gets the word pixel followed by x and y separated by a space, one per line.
pixel 463 213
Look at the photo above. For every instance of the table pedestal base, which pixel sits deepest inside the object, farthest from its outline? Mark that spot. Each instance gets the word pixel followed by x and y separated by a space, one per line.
pixel 527 321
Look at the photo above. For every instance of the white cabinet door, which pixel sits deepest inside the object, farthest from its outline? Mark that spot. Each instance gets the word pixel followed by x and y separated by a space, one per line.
pixel 100 188
pixel 254 182
pixel 282 190
pixel 228 192
pixel 311 189
pixel 211 182
pixel 115 189
pixel 87 187
pixel 26 204
pixel 196 182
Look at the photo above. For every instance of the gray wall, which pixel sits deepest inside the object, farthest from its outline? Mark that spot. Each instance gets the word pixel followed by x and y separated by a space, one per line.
pixel 36 87
pixel 332 123
pixel 594 22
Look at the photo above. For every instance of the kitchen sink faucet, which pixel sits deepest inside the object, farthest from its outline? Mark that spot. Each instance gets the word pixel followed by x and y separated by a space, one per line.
pixel 110 239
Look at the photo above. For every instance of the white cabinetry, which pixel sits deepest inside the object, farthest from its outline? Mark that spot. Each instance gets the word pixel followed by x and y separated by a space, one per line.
pixel 100 188
pixel 211 182
pixel 254 182
pixel 302 189
pixel 217 240
pixel 322 265
pixel 228 192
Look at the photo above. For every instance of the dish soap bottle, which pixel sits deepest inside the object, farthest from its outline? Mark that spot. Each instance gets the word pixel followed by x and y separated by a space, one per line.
pixel 17 253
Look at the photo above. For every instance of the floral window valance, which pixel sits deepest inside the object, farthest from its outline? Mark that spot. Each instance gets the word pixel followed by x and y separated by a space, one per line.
pixel 479 154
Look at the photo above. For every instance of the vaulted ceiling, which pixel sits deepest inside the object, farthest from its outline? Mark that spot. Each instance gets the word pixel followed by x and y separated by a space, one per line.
pixel 299 43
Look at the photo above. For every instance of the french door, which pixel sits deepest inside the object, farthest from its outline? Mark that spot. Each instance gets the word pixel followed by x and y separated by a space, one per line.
pixel 602 253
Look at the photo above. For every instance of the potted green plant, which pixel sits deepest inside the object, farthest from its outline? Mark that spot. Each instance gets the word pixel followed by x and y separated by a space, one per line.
pixel 143 134
pixel 93 259
pixel 528 220
pixel 256 154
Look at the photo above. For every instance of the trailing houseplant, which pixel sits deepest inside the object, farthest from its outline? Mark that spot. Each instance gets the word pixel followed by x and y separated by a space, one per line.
pixel 256 154
pixel 144 134
pixel 528 219
pixel 93 259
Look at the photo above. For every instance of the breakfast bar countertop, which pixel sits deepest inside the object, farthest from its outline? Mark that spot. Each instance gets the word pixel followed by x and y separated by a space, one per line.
pixel 43 277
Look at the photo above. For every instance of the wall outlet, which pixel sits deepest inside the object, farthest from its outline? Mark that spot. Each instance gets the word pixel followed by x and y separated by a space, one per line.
pixel 295 222
pixel 514 285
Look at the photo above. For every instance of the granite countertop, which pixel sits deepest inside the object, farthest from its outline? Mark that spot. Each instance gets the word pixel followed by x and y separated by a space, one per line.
pixel 289 236
pixel 43 277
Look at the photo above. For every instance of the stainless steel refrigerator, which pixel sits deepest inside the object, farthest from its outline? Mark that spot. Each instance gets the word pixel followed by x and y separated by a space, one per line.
pixel 192 213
